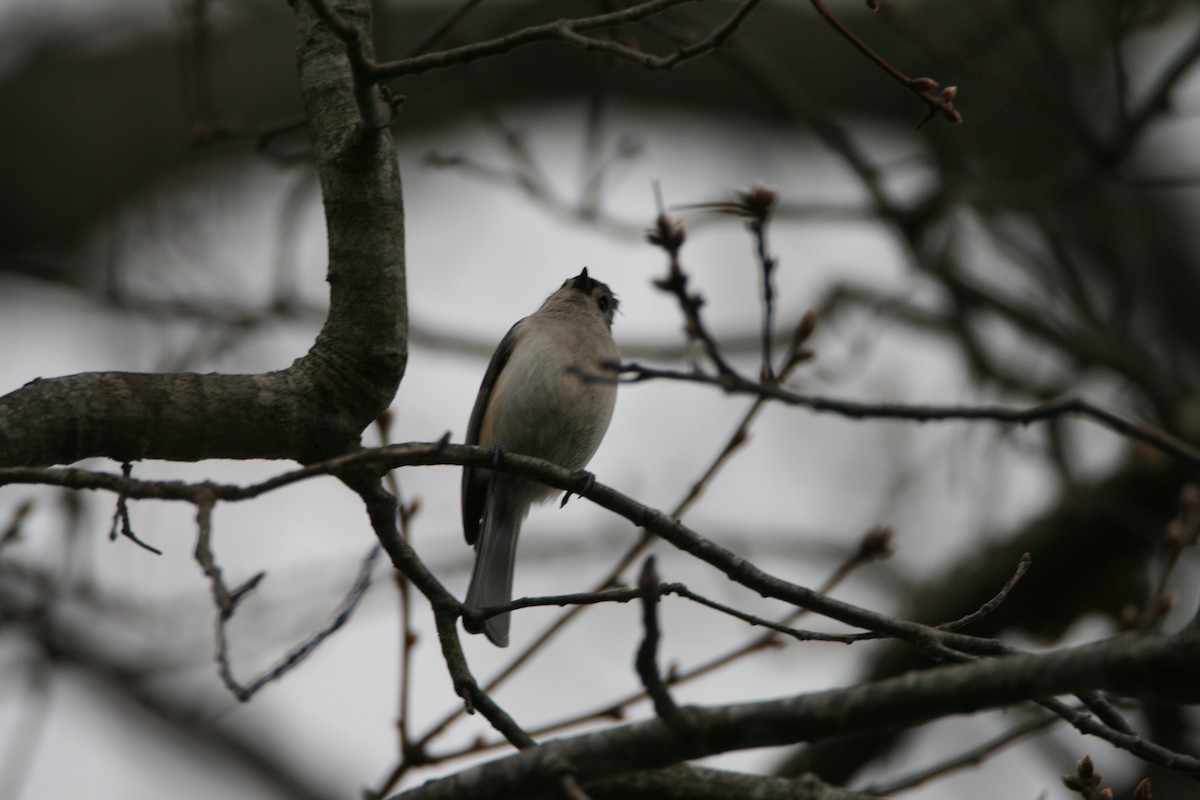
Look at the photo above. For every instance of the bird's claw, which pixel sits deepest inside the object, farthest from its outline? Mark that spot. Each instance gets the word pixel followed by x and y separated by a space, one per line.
pixel 589 480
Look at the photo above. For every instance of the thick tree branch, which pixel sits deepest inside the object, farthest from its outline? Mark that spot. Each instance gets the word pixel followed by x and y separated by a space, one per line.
pixel 1134 665
pixel 319 405
pixel 687 782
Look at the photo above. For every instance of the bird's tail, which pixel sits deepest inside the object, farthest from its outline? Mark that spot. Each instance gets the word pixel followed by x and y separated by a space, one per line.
pixel 492 578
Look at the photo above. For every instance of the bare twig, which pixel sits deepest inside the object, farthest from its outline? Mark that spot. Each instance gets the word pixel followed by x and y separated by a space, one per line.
pixel 756 205
pixel 393 456
pixel 227 601
pixel 923 88
pixel 535 646
pixel 741 434
pixel 995 602
pixel 411 754
pixel 669 234
pixel 357 591
pixel 1066 407
pixel 761 201
pixel 873 545
pixel 647 654
pixel 439 31
pixel 381 509
pixel 970 757
pixel 574 32
pixel 120 520
pixel 523 173
pixel 939 644
pixel 677 589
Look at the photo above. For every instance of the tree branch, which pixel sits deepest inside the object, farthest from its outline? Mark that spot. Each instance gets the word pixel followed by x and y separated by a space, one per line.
pixel 1057 409
pixel 1132 665
pixel 572 31
pixel 319 405
pixel 688 782
pixel 923 88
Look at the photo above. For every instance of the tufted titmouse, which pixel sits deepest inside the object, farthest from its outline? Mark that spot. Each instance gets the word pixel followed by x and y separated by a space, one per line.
pixel 536 400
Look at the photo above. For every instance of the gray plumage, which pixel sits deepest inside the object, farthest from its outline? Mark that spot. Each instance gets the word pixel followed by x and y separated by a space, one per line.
pixel 535 399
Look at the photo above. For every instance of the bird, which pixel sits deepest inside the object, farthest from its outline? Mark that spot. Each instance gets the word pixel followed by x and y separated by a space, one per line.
pixel 548 392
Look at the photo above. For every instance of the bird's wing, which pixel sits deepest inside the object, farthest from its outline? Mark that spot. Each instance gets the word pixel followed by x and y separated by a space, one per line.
pixel 475 481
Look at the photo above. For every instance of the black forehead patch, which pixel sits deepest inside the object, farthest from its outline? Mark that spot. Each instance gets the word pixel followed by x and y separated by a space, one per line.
pixel 583 283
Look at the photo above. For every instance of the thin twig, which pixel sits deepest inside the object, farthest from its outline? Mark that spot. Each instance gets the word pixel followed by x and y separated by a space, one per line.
pixel 1144 749
pixel 301 651
pixel 873 545
pixel 679 590
pixel 662 525
pixel 923 88
pixel 713 41
pixel 741 434
pixel 411 754
pixel 669 235
pixel 766 264
pixel 120 520
pixel 995 602
pixel 647 654
pixel 381 510
pixel 552 630
pixel 967 758
pixel 222 598
pixel 1066 407
pixel 942 645
pixel 756 205
pixel 574 32
pixel 439 31
pixel 408 634
pixel 227 601
pixel 665 527
pixel 369 72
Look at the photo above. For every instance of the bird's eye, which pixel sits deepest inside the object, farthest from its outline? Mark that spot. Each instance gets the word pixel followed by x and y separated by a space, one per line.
pixel 604 301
